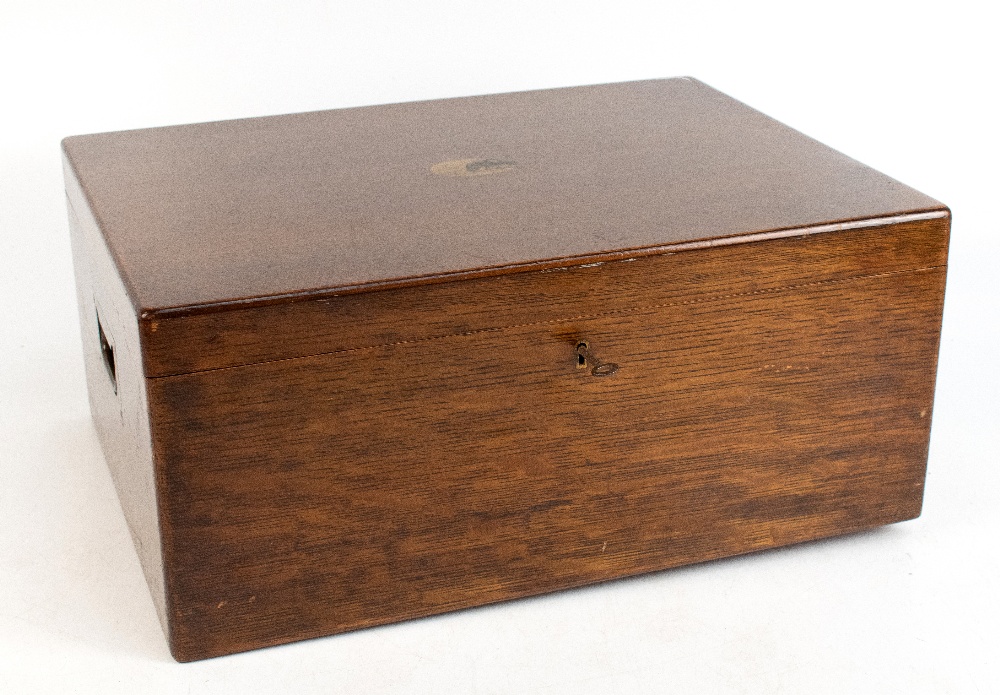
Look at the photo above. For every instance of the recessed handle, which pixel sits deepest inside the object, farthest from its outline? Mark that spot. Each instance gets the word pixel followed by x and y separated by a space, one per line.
pixel 107 354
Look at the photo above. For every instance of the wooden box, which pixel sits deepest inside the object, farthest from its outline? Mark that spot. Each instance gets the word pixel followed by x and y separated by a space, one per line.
pixel 358 366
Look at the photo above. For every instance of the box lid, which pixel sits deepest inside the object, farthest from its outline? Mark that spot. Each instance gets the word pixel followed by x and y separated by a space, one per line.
pixel 260 209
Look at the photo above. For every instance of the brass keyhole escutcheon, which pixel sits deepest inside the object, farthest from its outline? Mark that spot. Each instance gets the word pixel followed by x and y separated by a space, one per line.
pixel 586 358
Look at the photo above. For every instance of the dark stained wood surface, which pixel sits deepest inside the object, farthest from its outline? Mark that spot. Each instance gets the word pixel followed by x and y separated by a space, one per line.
pixel 347 386
pixel 309 496
pixel 219 212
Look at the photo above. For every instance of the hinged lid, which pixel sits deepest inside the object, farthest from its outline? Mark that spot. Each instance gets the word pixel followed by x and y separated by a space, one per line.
pixel 257 210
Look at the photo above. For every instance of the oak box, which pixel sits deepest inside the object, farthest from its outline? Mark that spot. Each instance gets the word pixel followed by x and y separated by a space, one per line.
pixel 357 366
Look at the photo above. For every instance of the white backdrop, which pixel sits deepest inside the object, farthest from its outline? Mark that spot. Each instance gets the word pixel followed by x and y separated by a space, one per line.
pixel 907 87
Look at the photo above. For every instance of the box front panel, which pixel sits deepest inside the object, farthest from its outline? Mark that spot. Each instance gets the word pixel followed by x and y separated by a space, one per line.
pixel 309 496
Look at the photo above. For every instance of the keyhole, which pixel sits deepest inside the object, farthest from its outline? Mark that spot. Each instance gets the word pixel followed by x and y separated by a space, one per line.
pixel 107 354
pixel 600 368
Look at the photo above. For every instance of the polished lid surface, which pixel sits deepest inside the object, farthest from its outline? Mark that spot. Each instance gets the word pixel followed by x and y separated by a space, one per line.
pixel 384 195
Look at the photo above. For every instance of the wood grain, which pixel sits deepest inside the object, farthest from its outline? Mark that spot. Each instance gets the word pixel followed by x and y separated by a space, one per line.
pixel 234 335
pixel 309 496
pixel 347 386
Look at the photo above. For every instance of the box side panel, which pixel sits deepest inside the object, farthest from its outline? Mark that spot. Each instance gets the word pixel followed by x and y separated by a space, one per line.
pixel 181 344
pixel 317 495
pixel 115 385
